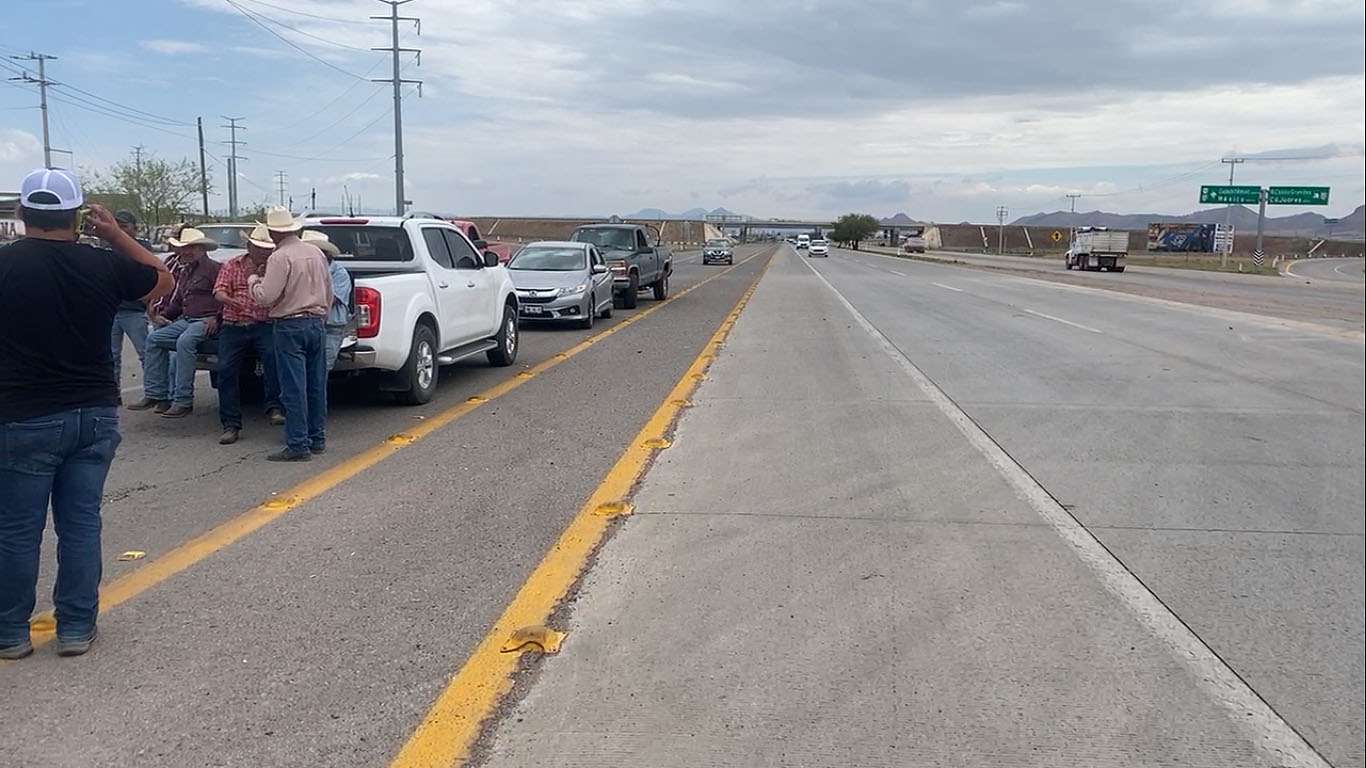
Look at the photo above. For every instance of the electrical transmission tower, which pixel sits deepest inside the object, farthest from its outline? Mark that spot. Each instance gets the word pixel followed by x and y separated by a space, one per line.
pixel 233 143
pixel 400 201
pixel 281 183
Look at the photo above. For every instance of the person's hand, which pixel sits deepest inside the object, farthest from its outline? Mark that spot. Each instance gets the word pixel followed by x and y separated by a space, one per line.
pixel 253 280
pixel 101 222
pixel 211 326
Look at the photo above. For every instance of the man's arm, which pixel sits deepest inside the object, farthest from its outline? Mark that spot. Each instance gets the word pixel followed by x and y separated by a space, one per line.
pixel 268 290
pixel 104 225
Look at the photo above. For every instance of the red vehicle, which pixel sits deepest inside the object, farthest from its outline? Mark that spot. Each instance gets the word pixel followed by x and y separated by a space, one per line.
pixel 503 250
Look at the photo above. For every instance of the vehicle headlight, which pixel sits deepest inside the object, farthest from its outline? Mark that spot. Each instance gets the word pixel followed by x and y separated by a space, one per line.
pixel 576 290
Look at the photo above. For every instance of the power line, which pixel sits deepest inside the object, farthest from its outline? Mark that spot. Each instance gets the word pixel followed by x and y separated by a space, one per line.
pixel 304 14
pixel 252 16
pixel 296 30
pixel 309 117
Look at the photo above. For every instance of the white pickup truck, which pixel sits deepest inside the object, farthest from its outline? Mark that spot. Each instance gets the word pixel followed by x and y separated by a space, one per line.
pixel 424 297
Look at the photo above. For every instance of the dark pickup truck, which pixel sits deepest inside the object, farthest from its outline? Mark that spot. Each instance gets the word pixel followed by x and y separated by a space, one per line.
pixel 636 264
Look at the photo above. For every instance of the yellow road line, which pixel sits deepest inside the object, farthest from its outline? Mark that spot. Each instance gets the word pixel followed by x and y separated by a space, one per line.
pixel 453 723
pixel 125 588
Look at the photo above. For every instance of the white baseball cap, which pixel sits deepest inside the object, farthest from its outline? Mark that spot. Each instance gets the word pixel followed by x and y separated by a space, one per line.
pixel 55 190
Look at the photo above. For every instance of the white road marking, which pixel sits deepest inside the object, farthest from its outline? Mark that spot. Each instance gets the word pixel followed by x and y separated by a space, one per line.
pixel 1065 322
pixel 948 287
pixel 1267 729
pixel 898 274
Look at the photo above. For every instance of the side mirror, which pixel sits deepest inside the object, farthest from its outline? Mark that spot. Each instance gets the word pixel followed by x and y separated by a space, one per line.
pixel 599 269
pixel 490 259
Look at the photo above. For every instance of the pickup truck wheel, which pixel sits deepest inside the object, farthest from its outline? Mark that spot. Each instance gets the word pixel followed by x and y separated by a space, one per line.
pixel 661 287
pixel 508 340
pixel 590 312
pixel 631 296
pixel 421 370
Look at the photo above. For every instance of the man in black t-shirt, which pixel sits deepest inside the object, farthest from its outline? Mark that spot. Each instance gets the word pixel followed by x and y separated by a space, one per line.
pixel 58 423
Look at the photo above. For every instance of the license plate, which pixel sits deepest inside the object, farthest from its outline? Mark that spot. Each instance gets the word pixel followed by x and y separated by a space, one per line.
pixel 531 309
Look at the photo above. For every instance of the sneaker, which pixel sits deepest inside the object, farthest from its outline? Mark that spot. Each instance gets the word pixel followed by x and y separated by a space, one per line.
pixel 318 449
pixel 285 454
pixel 229 436
pixel 276 416
pixel 147 404
pixel 16 652
pixel 177 412
pixel 76 647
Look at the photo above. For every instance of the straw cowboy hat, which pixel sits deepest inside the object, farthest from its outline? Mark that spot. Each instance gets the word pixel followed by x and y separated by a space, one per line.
pixel 279 219
pixel 190 236
pixel 322 243
pixel 260 237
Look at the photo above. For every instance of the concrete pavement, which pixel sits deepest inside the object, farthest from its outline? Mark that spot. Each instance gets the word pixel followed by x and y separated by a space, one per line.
pixel 321 638
pixel 823 571
pixel 1348 271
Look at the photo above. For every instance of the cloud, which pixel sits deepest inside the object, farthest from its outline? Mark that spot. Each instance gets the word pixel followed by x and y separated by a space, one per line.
pixel 862 192
pixel 172 47
pixel 351 178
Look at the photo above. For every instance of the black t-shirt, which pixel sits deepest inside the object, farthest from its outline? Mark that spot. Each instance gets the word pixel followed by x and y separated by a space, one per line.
pixel 59 300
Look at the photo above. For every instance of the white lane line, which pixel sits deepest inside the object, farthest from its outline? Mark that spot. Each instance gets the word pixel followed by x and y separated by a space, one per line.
pixel 948 287
pixel 898 274
pixel 1065 322
pixel 1266 729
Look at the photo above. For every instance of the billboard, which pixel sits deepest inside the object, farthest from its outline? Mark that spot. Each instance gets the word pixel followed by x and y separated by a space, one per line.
pixel 1181 237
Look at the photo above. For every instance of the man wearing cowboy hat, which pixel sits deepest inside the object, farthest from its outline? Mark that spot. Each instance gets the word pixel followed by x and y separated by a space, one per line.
pixel 191 316
pixel 339 315
pixel 246 328
pixel 297 292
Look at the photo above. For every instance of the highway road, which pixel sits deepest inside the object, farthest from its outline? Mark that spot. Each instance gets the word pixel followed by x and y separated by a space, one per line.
pixel 1330 270
pixel 812 512
pixel 926 515
pixel 1313 298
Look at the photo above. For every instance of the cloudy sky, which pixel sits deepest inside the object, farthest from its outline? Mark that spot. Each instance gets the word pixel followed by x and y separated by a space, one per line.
pixel 943 109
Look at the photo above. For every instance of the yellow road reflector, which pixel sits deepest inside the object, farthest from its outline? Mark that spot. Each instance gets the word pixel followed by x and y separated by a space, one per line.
pixel 44 623
pixel 698 376
pixel 525 374
pixel 657 443
pixel 613 509
pixel 681 403
pixel 401 438
pixel 476 399
pixel 132 554
pixel 280 502
pixel 539 639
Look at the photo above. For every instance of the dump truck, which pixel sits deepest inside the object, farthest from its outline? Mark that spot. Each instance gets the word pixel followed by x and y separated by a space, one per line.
pixel 1097 248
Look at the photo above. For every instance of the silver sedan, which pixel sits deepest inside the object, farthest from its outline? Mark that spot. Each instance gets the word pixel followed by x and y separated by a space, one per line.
pixel 562 281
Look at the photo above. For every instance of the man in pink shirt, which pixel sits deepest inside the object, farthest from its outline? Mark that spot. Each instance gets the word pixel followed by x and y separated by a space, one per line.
pixel 296 291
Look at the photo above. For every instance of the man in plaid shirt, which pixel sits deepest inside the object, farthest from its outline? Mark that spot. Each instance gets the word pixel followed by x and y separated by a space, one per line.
pixel 246 328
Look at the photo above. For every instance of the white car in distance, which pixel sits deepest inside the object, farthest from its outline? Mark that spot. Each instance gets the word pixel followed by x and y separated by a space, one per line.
pixel 820 248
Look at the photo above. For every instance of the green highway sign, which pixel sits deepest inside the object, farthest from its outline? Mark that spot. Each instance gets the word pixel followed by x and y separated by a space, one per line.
pixel 1297 196
pixel 1222 195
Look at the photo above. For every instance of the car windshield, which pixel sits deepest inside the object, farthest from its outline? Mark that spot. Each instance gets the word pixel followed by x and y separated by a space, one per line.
pixel 717 243
pixel 607 238
pixel 227 237
pixel 546 259
pixel 368 243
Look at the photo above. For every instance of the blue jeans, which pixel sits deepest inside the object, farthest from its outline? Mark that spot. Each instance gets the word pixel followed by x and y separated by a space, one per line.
pixel 334 342
pixel 62 458
pixel 234 342
pixel 301 363
pixel 133 324
pixel 181 337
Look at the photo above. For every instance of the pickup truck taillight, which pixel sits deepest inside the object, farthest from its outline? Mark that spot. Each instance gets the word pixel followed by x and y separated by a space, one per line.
pixel 367 313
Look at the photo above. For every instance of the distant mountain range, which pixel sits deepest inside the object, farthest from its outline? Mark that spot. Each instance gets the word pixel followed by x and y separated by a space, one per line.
pixel 1244 220
pixel 651 214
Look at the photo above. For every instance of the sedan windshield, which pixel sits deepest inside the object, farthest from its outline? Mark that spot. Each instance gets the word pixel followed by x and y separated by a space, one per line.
pixel 227 237
pixel 548 260
pixel 607 238
pixel 718 243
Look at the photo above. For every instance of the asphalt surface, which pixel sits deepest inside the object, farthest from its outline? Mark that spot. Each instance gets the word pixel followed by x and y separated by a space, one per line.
pixel 826 569
pixel 1311 298
pixel 322 638
pixel 1329 270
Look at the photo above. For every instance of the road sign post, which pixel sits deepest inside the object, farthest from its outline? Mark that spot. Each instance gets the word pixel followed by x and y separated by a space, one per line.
pixel 1257 253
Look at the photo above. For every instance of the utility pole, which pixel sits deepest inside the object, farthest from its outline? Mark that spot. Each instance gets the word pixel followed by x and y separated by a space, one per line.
pixel 1258 254
pixel 137 158
pixel 1232 162
pixel 233 142
pixel 42 83
pixel 1001 213
pixel 400 202
pixel 280 183
pixel 203 170
pixel 1072 225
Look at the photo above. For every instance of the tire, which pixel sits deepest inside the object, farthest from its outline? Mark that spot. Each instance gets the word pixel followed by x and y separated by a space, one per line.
pixel 1068 264
pixel 591 314
pixel 611 305
pixel 420 371
pixel 509 339
pixel 631 296
pixel 661 287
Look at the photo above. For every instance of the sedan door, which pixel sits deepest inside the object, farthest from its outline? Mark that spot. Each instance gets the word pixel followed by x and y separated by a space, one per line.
pixel 602 284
